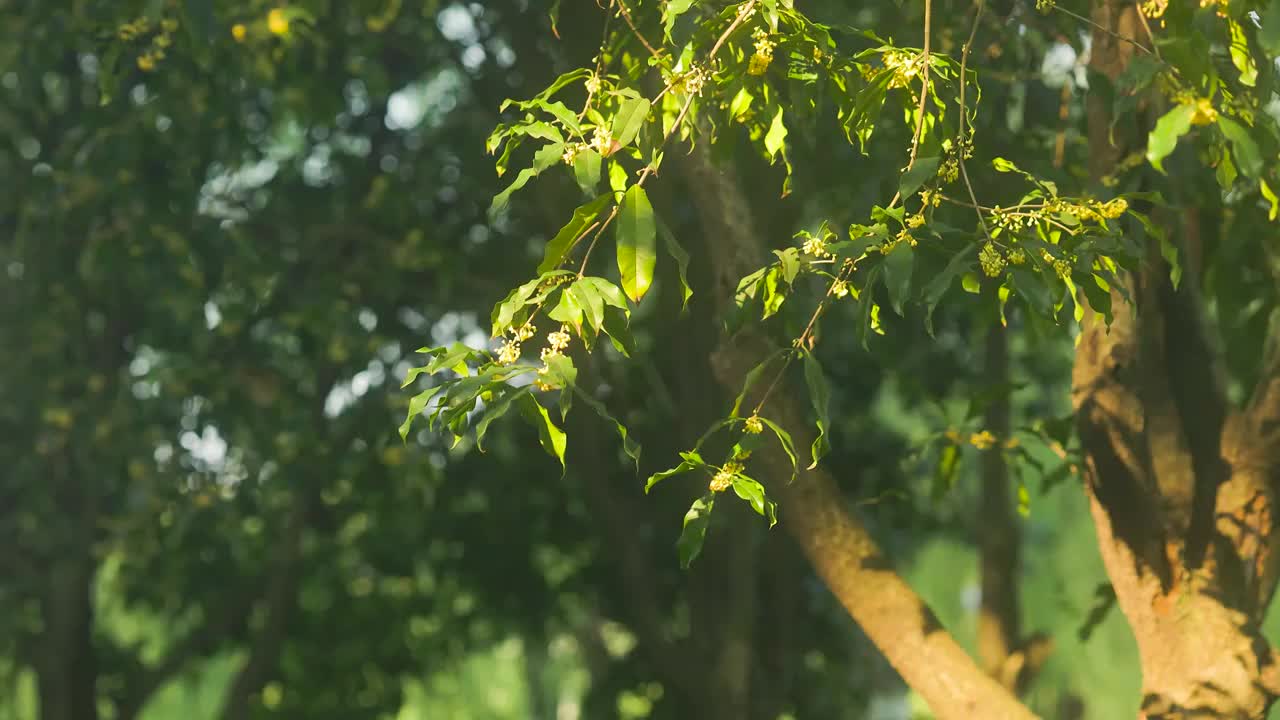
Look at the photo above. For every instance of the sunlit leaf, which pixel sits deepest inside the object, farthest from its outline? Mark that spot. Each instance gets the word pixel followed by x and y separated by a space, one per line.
pixel 562 243
pixel 637 241
pixel 1164 137
pixel 552 437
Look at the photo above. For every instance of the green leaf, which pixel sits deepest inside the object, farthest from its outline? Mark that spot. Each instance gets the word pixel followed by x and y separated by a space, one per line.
pixel 552 438
pixel 750 490
pixel 784 439
pixel 457 353
pixel 493 411
pixel 1033 289
pixel 629 120
pixel 898 265
pixel 672 10
pixel 617 177
pixel 691 462
pixel 1164 137
pixel 564 240
pixel 820 396
pixel 588 298
pixel 775 139
pixel 924 170
pixel 1247 155
pixel 546 156
pixel 946 473
pixel 789 260
pixel 695 529
pixel 1240 56
pixel 615 326
pixel 741 103
pixel 637 240
pixel 681 256
pixel 567 310
pixel 505 311
pixel 752 377
pixel 586 170
pixel 417 404
pixel 629 444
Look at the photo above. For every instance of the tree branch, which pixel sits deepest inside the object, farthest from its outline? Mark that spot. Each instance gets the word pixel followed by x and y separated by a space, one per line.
pixel 814 513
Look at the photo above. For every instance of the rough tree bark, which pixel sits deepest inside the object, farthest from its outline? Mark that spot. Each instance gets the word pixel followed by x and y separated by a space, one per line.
pixel 1180 486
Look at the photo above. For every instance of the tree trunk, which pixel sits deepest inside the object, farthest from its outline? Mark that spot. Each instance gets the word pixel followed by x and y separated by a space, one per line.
pixel 1179 487
pixel 67 674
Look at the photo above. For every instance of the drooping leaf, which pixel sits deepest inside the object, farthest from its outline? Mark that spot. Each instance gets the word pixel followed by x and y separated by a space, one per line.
pixel 921 172
pixel 820 396
pixel 784 439
pixel 898 265
pixel 775 139
pixel 562 243
pixel 754 376
pixel 1164 137
pixel 547 155
pixel 637 240
pixel 417 404
pixel 694 531
pixel 588 298
pixel 1247 155
pixel 494 411
pixel 750 490
pixel 937 287
pixel 691 461
pixel 681 256
pixel 671 11
pixel 629 444
pixel 586 170
pixel 552 437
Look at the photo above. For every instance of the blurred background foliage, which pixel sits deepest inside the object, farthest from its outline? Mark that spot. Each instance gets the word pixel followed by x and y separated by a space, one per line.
pixel 224 229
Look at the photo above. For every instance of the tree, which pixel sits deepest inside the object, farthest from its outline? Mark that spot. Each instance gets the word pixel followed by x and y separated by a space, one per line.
pixel 1165 280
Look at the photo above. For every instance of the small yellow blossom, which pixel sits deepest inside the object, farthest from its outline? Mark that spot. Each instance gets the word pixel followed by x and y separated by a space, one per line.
pixel 146 62
pixel 915 221
pixel 991 260
pixel 983 440
pixel 239 32
pixel 840 288
pixel 1205 113
pixel 1017 257
pixel 755 425
pixel 277 22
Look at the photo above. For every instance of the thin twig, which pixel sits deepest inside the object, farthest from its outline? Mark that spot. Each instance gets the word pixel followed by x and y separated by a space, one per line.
pixel 964 116
pixel 604 42
pixel 1150 36
pixel 622 9
pixel 1108 31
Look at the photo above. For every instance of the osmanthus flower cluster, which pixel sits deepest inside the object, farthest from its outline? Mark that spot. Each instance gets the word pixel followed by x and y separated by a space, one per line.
pixel 760 65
